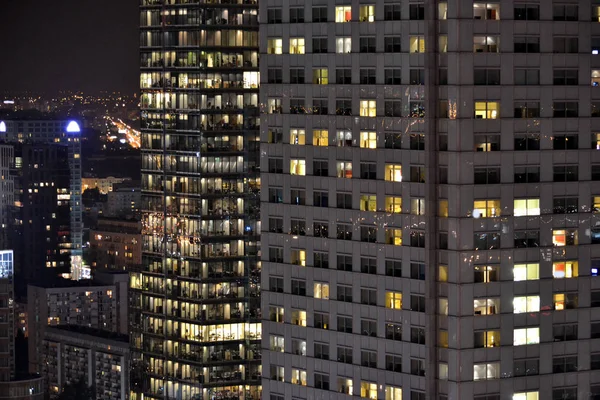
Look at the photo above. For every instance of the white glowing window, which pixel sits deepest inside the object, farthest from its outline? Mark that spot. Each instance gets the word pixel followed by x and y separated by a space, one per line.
pixel 486 371
pixel 525 304
pixel 343 14
pixel 525 336
pixel 296 45
pixel 393 172
pixel 299 377
pixel 321 291
pixel 297 167
pixel 526 396
pixel 523 207
pixel 344 169
pixel 392 393
pixel 276 343
pixel 275 46
pixel 565 269
pixel 489 306
pixel 343 45
pixel 443 371
pixel 526 272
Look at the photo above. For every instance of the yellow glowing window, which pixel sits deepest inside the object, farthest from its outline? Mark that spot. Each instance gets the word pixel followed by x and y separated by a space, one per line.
pixel 393 236
pixel 417 44
pixel 443 43
pixel 296 45
pixel 525 304
pixel 393 393
pixel 526 396
pixel 487 339
pixel 486 208
pixel 443 306
pixel 367 13
pixel 368 202
pixel 343 14
pixel 559 301
pixel 523 207
pixel 299 317
pixel 565 269
pixel 565 237
pixel 443 273
pixel 297 167
pixel 298 257
pixel 344 169
pixel 297 136
pixel 487 109
pixel 526 336
pixel 443 339
pixel 320 137
pixel 320 76
pixel 526 272
pixel 321 291
pixel 393 300
pixel 275 46
pixel 298 377
pixel 393 204
pixel 368 108
pixel 443 208
pixel 596 204
pixel 596 13
pixel 393 172
pixel 368 140
pixel 368 390
pixel 489 306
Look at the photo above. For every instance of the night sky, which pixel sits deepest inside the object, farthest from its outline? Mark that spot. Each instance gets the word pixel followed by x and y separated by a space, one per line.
pixel 52 45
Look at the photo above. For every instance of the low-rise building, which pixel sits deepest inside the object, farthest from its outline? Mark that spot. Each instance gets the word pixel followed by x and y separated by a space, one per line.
pixel 116 244
pixel 104 185
pixel 124 200
pixel 98 358
pixel 23 388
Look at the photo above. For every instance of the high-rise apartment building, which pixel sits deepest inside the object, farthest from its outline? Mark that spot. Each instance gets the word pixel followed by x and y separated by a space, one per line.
pixel 196 320
pixel 430 199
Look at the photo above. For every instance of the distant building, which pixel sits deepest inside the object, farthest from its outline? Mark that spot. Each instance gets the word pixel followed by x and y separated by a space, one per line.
pixel 21 318
pixel 99 358
pixel 123 201
pixel 52 132
pixel 100 303
pixel 104 185
pixel 25 388
pixel 116 244
pixel 7 193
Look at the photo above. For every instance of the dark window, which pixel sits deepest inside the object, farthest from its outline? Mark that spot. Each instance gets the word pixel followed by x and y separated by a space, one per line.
pixel 417 367
pixel 564 109
pixel 368 234
pixel 368 359
pixel 275 254
pixel 595 330
pixel 276 284
pixel 297 14
pixel 595 45
pixel 566 77
pixel 527 109
pixel 417 11
pixel 344 200
pixel 368 76
pixel 298 287
pixel 393 363
pixel 321 320
pixel 343 76
pixel 566 12
pixel 319 14
pixel 344 231
pixel 417 76
pixel 275 136
pixel 595 109
pixel 417 141
pixel 297 197
pixel 392 12
pixel 527 367
pixel 527 142
pixel 595 298
pixel 565 142
pixel 344 324
pixel 486 76
pixel 417 303
pixel 528 238
pixel 417 271
pixel 297 106
pixel 486 241
pixel 320 260
pixel 565 332
pixel 320 107
pixel 417 238
pixel 561 365
pixel 564 394
pixel 368 296
pixel 527 76
pixel 274 75
pixel 320 168
pixel 368 265
pixel 566 45
pixel 392 44
pixel 319 45
pixel 343 107
pixel 275 195
pixel 529 12
pixel 321 229
pixel 443 76
pixel 344 293
pixel 393 76
pixel 321 351
pixel 393 140
pixel 485 176
pixel 344 263
pixel 393 331
pixel 486 273
pixel 393 268
pixel 368 170
pixel 565 205
pixel 392 108
pixel 527 44
pixel 368 327
pixel 321 199
pixel 296 75
pixel 298 227
pixel 527 174
pixel 344 354
pixel 367 44
pixel 321 381
pixel 276 165
pixel 274 15
pixel 276 225
pixel 566 173
pixel 595 361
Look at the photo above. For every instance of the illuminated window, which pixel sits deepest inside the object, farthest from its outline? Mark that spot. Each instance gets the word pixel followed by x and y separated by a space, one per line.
pixel 276 343
pixel 417 44
pixel 393 236
pixel 298 257
pixel 321 291
pixel 443 339
pixel 297 167
pixel 526 272
pixel 486 11
pixel 486 339
pixel 343 14
pixel 524 336
pixel 443 44
pixel 368 202
pixel 298 377
pixel 596 141
pixel 565 301
pixel 393 172
pixel 443 306
pixel 443 273
pixel 299 317
pixel 320 76
pixel 297 136
pixel 487 110
pixel 343 45
pixel 486 44
pixel 275 46
pixel 485 273
pixel 368 140
pixel 344 138
pixel 596 13
pixel 486 306
pixel 393 393
pixel 393 300
pixel 443 208
pixel 296 45
pixel 443 371
pixel 565 237
pixel 486 208
pixel 486 371
pixel 345 386
pixel 523 207
pixel 276 314
pixel 367 13
pixel 320 137
pixel 526 396
pixel 368 108
pixel 344 169
pixel 565 269
pixel 368 390
pixel 525 304
pixel 417 206
pixel 393 204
